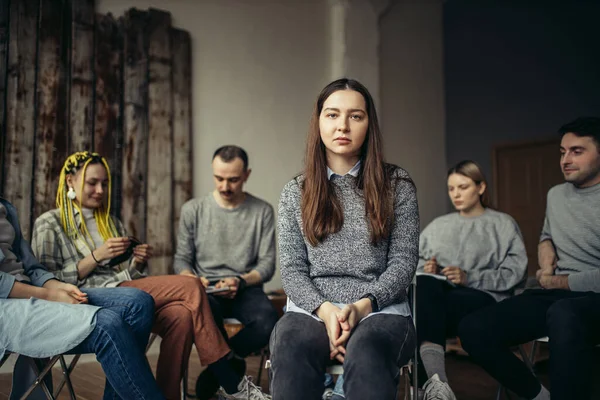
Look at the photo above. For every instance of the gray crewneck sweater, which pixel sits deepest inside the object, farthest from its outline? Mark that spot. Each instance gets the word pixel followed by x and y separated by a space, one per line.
pixel 213 241
pixel 346 266
pixel 489 248
pixel 573 224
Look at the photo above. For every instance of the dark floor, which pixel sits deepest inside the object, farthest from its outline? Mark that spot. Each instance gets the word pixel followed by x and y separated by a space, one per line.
pixel 468 381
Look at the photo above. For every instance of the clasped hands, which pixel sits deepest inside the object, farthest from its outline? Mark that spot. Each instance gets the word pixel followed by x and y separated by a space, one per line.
pixel 64 292
pixel 339 324
pixel 455 275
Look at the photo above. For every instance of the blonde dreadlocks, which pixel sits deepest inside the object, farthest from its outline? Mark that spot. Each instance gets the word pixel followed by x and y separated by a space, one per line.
pixel 106 227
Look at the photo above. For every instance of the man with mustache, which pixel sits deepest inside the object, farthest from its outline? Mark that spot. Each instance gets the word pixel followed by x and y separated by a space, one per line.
pixel 227 239
pixel 567 307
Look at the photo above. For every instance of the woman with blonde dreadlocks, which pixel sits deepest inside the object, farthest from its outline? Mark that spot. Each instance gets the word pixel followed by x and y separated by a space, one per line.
pixel 82 244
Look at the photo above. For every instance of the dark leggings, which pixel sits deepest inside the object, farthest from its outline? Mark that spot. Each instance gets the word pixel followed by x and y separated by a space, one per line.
pixel 440 308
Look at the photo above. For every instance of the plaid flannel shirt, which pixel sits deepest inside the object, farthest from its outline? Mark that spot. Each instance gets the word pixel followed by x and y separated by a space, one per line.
pixel 60 255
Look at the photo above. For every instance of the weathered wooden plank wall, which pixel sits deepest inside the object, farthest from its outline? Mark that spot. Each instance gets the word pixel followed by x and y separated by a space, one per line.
pixel 20 108
pixel 4 12
pixel 51 142
pixel 108 132
pixel 72 80
pixel 135 124
pixel 82 75
pixel 159 228
pixel 182 133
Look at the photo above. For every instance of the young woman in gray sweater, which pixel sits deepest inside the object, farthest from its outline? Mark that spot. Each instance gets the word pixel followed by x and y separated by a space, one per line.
pixel 348 244
pixel 478 257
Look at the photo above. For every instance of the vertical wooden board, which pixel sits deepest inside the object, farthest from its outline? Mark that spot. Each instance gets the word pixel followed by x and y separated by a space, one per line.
pixel 108 132
pixel 20 116
pixel 160 203
pixel 135 124
pixel 82 75
pixel 4 12
pixel 182 123
pixel 51 144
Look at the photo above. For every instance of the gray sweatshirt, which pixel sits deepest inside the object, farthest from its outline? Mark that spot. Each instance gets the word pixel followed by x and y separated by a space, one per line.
pixel 214 242
pixel 346 266
pixel 573 224
pixel 489 248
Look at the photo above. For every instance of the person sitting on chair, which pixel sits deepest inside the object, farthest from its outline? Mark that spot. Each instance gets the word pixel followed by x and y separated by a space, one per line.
pixel 348 241
pixel 41 316
pixel 567 307
pixel 227 239
pixel 469 259
pixel 84 245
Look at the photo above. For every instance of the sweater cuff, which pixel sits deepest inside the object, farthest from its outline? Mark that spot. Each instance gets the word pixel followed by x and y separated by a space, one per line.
pixel 7 281
pixel 582 283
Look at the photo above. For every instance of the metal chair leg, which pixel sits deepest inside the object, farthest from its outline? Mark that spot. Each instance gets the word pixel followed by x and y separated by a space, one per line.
pixel 263 357
pixel 66 371
pixel 40 379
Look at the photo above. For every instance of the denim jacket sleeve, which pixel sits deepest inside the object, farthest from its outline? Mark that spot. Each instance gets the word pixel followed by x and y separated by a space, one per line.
pixel 33 269
pixel 6 280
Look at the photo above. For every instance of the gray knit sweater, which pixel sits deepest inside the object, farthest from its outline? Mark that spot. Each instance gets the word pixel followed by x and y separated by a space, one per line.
pixel 346 266
pixel 573 224
pixel 489 248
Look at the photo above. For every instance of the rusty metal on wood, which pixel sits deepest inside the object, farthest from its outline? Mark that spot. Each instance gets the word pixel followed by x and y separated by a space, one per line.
pixel 51 142
pixel 4 12
pixel 82 75
pixel 182 123
pixel 20 116
pixel 160 155
pixel 108 130
pixel 135 123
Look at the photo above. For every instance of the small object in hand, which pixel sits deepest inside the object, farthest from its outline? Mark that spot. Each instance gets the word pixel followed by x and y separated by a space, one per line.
pixel 133 242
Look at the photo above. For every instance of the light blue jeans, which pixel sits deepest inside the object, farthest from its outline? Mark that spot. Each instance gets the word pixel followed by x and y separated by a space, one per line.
pixel 119 341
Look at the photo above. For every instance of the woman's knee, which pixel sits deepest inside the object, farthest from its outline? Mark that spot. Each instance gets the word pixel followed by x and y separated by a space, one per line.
pixel 295 334
pixel 473 329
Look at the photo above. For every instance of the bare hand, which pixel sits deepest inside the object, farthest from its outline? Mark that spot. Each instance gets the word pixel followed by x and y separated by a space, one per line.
pixel 205 282
pixel 72 290
pixel 329 314
pixel 348 318
pixel 142 253
pixel 233 284
pixel 543 272
pixel 455 275
pixel 112 248
pixel 61 296
pixel 431 266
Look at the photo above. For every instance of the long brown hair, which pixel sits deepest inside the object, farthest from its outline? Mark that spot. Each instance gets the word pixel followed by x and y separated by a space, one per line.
pixel 472 170
pixel 322 212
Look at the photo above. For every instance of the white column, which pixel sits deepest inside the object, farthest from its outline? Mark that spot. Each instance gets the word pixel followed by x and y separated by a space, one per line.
pixel 354 41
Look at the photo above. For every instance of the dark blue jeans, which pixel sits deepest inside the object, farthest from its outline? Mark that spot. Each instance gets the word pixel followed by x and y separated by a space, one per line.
pixel 252 308
pixel 571 320
pixel 119 341
pixel 378 347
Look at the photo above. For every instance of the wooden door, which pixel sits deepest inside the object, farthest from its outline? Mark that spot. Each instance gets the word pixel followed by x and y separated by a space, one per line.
pixel 523 174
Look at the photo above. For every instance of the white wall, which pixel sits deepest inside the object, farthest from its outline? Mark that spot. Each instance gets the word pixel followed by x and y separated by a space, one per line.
pixel 412 98
pixel 257 68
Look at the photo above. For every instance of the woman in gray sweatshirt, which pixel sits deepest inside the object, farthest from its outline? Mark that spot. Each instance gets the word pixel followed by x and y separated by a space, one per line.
pixel 468 259
pixel 348 244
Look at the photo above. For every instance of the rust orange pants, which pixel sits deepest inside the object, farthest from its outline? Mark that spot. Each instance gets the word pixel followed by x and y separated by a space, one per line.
pixel 182 319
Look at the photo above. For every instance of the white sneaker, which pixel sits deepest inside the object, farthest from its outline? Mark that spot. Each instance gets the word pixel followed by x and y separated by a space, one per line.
pixel 248 391
pixel 438 390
